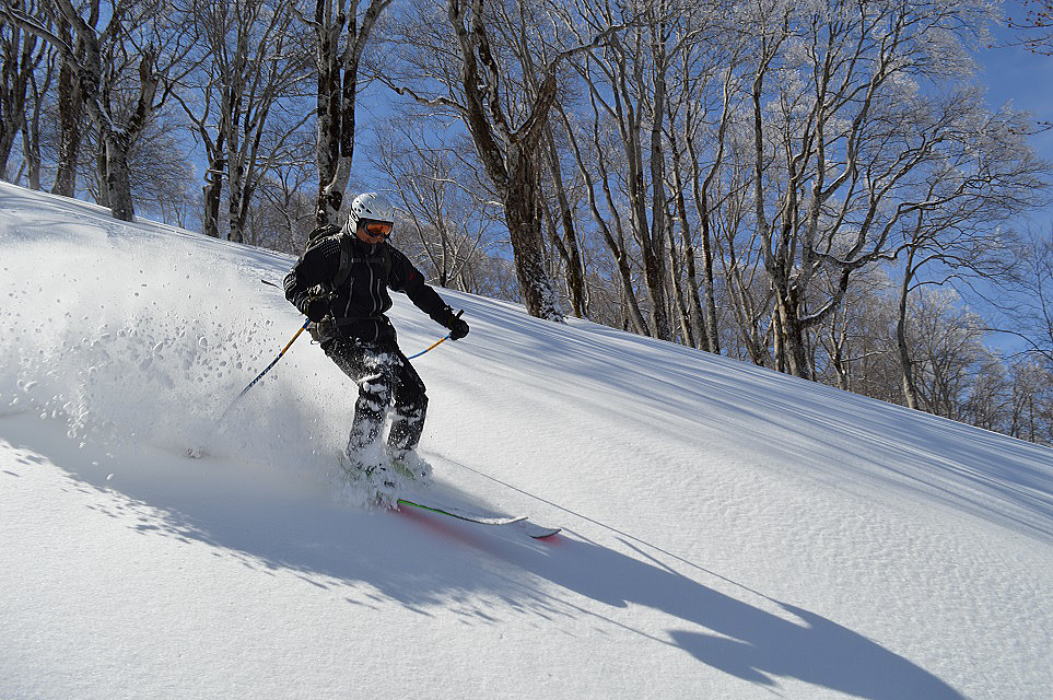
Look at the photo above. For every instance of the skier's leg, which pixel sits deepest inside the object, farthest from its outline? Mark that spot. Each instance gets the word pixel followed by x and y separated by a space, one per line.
pixel 411 407
pixel 371 369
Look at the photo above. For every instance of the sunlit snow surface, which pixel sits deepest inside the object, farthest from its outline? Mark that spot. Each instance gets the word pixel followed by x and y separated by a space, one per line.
pixel 728 531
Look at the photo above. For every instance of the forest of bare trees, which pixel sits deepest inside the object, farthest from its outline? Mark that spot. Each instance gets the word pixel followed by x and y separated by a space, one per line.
pixel 817 187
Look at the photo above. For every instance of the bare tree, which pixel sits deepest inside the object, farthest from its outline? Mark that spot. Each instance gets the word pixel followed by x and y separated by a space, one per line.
pixel 1025 299
pixel 36 114
pixel 595 157
pixel 126 55
pixel 747 291
pixel 989 401
pixel 702 107
pixel 503 82
pixel 1031 401
pixel 839 143
pixel 450 220
pixel 283 215
pixel 253 61
pixel 986 174
pixel 21 52
pixel 342 32
pixel 559 213
pixel 698 320
pixel 630 81
pixel 159 168
pixel 948 350
pixel 849 339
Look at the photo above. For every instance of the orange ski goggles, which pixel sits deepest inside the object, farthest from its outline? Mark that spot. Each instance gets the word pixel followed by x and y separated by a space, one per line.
pixel 380 229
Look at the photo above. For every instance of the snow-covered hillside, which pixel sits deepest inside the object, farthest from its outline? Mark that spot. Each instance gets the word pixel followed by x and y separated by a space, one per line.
pixel 728 531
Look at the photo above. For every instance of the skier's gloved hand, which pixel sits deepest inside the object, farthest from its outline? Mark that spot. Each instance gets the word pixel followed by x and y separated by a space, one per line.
pixel 458 327
pixel 317 309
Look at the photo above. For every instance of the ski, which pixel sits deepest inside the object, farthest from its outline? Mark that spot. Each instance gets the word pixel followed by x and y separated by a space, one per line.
pixel 464 515
pixel 535 531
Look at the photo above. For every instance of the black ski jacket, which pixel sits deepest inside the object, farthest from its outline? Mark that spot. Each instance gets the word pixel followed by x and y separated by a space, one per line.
pixel 357 306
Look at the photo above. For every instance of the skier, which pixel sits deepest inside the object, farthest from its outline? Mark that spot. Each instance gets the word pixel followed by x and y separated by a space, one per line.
pixel 341 284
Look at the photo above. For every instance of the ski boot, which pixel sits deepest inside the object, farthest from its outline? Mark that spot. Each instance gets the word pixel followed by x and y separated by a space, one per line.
pixel 376 479
pixel 411 467
pixel 384 487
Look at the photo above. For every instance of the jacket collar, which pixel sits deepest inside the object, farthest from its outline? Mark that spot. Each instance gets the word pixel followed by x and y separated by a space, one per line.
pixel 363 248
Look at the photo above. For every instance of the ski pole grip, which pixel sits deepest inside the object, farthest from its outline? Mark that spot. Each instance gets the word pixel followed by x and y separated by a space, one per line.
pixel 456 315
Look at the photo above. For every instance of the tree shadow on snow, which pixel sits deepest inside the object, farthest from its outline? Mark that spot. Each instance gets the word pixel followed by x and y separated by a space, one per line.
pixel 740 639
pixel 778 418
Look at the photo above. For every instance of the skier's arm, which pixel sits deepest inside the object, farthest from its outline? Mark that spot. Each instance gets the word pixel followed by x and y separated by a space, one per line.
pixel 318 265
pixel 408 279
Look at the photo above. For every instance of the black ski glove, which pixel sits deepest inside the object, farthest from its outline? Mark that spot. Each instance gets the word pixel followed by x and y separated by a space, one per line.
pixel 317 309
pixel 458 328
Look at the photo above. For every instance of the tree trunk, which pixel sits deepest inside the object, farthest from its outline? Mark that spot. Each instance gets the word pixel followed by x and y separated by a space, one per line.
pixel 570 251
pixel 7 142
pixel 118 183
pixel 31 150
pixel 212 195
pixel 330 192
pixel 654 252
pixel 906 364
pixel 687 332
pixel 235 193
pixel 710 314
pixel 235 217
pixel 837 358
pixel 648 230
pixel 12 108
pixel 791 333
pixel 336 146
pixel 523 218
pixel 70 116
pixel 778 349
pixel 700 333
pixel 102 196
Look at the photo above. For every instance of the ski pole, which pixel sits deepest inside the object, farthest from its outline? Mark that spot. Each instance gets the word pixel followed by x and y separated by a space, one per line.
pixel 267 369
pixel 197 452
pixel 436 344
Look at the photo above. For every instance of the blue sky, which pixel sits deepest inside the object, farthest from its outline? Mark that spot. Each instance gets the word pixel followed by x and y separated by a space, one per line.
pixel 1013 75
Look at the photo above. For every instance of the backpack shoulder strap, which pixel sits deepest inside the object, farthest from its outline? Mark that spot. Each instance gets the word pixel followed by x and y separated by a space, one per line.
pixel 344 270
pixel 386 252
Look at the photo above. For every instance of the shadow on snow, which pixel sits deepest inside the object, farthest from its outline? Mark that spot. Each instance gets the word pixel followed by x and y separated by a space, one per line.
pixel 420 561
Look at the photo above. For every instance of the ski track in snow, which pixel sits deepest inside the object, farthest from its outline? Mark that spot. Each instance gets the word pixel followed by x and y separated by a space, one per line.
pixel 728 531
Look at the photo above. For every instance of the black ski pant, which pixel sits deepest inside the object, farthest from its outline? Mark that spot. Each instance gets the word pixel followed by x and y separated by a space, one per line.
pixel 384 376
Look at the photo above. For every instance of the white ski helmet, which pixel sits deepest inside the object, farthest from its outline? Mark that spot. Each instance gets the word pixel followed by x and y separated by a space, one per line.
pixel 368 206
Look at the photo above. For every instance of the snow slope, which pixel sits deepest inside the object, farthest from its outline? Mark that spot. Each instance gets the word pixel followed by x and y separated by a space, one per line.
pixel 728 531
